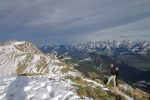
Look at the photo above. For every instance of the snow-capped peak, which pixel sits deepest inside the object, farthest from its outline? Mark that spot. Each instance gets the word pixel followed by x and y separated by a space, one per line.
pixel 23 57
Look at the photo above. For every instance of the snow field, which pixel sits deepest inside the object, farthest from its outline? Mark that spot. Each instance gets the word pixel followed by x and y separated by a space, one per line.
pixel 35 88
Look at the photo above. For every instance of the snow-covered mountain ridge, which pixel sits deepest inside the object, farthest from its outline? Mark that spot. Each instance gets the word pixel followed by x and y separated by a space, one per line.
pixel 23 57
pixel 28 74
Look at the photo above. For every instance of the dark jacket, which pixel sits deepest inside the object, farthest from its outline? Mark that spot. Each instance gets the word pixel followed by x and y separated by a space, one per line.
pixel 113 71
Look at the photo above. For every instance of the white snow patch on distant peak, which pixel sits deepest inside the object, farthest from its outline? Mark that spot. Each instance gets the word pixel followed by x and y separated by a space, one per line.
pixel 18 43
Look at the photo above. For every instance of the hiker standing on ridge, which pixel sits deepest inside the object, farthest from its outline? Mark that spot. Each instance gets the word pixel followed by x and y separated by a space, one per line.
pixel 113 75
pixel 117 74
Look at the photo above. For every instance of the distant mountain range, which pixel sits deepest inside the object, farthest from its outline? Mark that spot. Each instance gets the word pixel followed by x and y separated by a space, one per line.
pixel 108 47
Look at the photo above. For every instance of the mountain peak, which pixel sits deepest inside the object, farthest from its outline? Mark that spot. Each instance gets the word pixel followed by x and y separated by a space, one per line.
pixel 19 57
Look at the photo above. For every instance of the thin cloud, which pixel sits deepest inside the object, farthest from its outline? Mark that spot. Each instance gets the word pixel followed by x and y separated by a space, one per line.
pixel 65 21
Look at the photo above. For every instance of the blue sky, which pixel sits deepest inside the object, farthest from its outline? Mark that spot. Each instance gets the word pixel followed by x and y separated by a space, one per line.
pixel 74 21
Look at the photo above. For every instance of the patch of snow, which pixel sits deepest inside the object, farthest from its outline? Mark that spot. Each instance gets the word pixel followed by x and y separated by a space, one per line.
pixel 144 82
pixel 116 90
pixel 126 87
pixel 106 89
pixel 18 43
pixel 87 59
pixel 95 83
pixel 22 88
